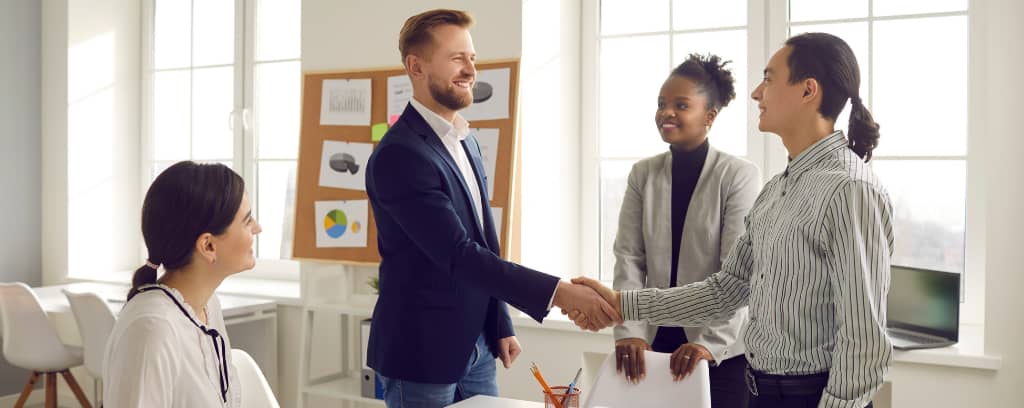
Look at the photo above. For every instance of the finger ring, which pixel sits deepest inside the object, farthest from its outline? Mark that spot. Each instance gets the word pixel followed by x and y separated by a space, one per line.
pixel 625 356
pixel 686 357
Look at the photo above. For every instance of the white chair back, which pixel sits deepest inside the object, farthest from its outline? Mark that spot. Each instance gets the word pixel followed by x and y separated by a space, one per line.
pixel 256 392
pixel 29 339
pixel 95 322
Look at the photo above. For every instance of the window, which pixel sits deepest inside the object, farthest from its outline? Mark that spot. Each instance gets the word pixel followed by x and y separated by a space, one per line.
pixel 913 57
pixel 223 81
pixel 637 46
pixel 913 60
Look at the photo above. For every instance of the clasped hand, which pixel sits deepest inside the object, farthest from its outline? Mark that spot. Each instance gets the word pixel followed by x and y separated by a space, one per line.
pixel 591 305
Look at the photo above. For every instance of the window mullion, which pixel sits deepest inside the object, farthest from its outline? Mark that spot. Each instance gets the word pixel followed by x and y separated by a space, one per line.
pixel 871 53
pixel 244 134
pixel 191 74
pixel 245 95
pixel 590 247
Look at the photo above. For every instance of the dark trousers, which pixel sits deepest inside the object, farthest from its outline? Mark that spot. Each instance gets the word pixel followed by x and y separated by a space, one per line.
pixel 782 391
pixel 728 388
pixel 810 401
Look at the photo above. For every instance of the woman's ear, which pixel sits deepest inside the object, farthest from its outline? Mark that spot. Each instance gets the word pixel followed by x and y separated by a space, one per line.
pixel 710 119
pixel 206 247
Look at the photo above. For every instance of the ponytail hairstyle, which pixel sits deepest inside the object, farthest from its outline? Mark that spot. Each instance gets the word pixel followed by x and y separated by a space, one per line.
pixel 711 75
pixel 185 201
pixel 830 61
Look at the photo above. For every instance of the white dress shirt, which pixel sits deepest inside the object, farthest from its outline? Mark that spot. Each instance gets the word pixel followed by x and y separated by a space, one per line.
pixel 814 267
pixel 452 134
pixel 157 358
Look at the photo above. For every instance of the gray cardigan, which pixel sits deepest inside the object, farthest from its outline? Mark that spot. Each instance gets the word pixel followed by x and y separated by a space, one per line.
pixel 721 199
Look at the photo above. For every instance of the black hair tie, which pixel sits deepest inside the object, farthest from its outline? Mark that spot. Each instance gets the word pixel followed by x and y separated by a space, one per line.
pixel 220 348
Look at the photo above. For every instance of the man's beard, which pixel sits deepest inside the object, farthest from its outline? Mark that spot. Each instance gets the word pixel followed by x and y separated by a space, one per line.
pixel 448 96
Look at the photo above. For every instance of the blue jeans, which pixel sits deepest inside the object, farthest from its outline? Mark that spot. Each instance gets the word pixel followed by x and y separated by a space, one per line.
pixel 479 379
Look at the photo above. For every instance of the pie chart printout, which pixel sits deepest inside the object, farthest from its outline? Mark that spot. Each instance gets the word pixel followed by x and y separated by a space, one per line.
pixel 342 223
pixel 335 223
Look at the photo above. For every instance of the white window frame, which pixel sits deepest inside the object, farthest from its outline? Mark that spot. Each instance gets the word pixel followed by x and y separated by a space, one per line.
pixel 244 159
pixel 767 29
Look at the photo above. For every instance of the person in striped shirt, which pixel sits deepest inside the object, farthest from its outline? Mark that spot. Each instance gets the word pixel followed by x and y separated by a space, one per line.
pixel 813 264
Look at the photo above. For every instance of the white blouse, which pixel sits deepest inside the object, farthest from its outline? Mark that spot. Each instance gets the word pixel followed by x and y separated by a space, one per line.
pixel 157 358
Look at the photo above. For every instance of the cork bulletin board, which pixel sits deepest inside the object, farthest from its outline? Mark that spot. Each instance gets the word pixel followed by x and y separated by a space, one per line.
pixel 345 114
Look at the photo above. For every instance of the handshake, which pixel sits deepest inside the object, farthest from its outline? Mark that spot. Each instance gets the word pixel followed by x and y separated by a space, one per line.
pixel 591 305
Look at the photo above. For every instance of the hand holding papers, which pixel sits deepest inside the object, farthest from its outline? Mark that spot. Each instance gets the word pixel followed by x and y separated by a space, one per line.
pixel 657 390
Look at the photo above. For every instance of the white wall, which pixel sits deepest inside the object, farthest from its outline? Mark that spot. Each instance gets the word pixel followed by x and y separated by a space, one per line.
pixel 364 33
pixel 550 137
pixel 91 168
pixel 19 135
pixel 20 256
pixel 1003 168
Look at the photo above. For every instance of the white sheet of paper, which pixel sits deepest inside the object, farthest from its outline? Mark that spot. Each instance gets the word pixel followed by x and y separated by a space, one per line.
pixel 343 164
pixel 346 102
pixel 657 390
pixel 492 103
pixel 488 141
pixel 496 213
pixel 399 94
pixel 341 224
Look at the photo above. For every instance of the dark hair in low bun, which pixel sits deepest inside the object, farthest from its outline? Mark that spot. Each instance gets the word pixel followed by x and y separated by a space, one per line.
pixel 185 201
pixel 711 75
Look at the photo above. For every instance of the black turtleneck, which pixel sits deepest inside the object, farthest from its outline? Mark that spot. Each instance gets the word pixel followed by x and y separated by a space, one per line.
pixel 686 168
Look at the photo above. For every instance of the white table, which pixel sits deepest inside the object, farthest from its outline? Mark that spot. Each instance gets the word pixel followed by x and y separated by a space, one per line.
pixel 238 311
pixel 484 401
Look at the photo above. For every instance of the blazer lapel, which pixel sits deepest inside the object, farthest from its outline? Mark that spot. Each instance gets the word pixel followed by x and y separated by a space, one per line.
pixel 472 149
pixel 434 141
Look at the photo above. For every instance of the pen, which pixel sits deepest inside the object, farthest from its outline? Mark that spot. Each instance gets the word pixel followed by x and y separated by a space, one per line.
pixel 536 374
pixel 572 384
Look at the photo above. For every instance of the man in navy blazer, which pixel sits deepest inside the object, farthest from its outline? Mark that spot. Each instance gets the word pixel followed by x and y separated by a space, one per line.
pixel 441 318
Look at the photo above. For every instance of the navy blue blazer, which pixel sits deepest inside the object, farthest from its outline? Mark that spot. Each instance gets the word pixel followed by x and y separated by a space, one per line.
pixel 442 283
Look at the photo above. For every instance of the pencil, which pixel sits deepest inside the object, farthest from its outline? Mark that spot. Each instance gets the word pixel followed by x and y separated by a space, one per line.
pixel 536 374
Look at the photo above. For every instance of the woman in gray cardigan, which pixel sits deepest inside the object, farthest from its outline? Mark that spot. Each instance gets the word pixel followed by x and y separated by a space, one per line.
pixel 682 212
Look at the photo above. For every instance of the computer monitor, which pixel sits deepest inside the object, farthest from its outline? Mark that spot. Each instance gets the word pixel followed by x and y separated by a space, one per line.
pixel 925 301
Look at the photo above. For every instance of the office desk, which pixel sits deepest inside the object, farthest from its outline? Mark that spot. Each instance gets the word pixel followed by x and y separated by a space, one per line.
pixel 484 401
pixel 239 312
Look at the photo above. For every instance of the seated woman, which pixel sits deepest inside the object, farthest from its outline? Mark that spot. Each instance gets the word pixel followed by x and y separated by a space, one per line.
pixel 169 347
pixel 681 214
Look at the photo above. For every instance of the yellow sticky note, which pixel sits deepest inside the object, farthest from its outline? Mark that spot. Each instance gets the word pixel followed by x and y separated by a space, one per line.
pixel 378 131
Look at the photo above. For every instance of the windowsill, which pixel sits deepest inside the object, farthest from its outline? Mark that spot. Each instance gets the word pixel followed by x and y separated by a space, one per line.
pixel 284 291
pixel 555 320
pixel 968 353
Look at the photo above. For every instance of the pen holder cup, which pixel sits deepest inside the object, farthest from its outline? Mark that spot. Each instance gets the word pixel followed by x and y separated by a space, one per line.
pixel 570 401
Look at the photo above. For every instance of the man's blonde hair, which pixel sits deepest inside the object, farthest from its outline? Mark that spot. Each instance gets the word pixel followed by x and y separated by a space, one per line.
pixel 417 32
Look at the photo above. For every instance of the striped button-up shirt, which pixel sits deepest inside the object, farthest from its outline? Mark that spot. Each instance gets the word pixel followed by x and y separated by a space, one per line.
pixel 813 266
